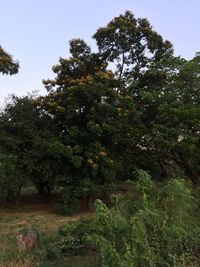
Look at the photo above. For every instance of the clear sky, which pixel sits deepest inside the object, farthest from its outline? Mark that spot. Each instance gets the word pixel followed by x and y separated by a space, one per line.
pixel 37 32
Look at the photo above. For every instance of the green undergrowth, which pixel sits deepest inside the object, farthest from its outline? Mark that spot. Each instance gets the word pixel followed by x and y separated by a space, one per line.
pixel 150 225
pixel 154 226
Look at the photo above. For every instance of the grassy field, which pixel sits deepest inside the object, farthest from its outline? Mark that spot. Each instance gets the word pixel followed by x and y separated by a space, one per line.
pixel 30 212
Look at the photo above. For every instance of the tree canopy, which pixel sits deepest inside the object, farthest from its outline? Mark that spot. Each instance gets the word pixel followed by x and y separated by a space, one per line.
pixel 131 104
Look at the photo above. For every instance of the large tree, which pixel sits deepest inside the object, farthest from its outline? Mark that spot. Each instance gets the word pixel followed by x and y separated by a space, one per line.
pixel 94 108
pixel 165 92
pixel 173 131
pixel 135 49
pixel 82 100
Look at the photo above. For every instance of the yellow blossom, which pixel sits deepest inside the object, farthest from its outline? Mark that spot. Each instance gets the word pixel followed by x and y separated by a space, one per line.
pixel 103 153
pixel 90 161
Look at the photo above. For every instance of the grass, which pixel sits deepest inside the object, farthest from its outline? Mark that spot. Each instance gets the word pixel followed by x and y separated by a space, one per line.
pixel 31 212
pixel 75 261
pixel 34 212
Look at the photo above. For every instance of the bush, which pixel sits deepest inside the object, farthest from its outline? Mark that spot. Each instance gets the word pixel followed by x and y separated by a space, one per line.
pixel 70 201
pixel 155 232
pixel 149 226
pixel 81 191
pixel 69 241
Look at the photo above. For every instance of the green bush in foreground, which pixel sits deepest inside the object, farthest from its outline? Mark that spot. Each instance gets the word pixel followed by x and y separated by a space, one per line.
pixel 152 230
pixel 149 226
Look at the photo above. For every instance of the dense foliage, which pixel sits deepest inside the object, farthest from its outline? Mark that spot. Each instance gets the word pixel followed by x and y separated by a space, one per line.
pixel 27 148
pixel 152 229
pixel 131 104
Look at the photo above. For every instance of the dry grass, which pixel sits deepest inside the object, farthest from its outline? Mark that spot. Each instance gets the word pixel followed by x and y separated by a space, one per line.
pixel 23 263
pixel 14 221
pixel 29 214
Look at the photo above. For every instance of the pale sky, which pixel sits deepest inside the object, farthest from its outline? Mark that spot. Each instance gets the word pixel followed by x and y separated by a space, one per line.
pixel 37 32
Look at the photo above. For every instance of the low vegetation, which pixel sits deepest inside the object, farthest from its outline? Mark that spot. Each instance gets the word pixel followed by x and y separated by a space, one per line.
pixel 150 225
pixel 14 221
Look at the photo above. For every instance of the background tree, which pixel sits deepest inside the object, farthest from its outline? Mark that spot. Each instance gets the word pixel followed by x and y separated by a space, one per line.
pixel 179 121
pixel 29 151
pixel 169 111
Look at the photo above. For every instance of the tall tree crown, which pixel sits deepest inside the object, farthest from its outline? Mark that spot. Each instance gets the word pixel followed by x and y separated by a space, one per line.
pixel 131 43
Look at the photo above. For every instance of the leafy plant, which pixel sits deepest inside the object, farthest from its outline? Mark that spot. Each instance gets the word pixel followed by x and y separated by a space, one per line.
pixel 155 234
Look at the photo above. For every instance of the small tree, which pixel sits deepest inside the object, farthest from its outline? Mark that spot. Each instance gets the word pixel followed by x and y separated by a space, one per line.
pixel 27 145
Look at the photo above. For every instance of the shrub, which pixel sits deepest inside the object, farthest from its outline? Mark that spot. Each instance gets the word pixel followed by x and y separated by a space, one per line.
pixel 149 226
pixel 70 201
pixel 69 241
pixel 153 233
